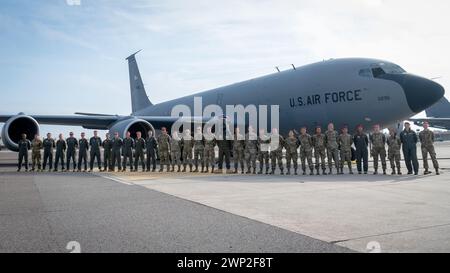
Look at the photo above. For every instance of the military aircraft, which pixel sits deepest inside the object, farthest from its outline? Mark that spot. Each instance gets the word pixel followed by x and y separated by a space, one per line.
pixel 438 115
pixel 348 91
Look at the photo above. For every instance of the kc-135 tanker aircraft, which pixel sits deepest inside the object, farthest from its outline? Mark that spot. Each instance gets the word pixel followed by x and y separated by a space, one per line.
pixel 347 91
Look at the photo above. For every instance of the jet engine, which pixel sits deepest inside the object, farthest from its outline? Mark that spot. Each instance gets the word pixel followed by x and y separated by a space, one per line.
pixel 132 125
pixel 15 127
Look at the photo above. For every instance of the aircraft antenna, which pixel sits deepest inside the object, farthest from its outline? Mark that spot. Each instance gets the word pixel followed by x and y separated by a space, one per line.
pixel 276 67
pixel 293 66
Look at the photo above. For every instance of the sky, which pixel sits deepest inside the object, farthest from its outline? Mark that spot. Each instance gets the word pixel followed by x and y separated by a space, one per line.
pixel 57 57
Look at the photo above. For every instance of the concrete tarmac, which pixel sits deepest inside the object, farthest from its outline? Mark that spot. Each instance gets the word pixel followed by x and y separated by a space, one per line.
pixel 184 212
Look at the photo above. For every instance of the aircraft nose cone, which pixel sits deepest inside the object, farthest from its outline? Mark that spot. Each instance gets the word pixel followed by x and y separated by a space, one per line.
pixel 420 92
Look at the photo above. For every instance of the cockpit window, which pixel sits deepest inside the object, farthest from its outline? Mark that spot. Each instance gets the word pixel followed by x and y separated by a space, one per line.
pixel 365 73
pixel 378 69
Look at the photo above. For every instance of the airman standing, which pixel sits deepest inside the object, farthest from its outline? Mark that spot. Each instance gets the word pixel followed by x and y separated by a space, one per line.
pixel 291 145
pixel 61 147
pixel 378 142
pixel 164 149
pixel 394 144
pixel 331 142
pixel 36 147
pixel 345 147
pixel 318 140
pixel 427 146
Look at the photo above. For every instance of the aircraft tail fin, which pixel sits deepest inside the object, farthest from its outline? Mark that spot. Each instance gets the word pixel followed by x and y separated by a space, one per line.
pixel 139 99
pixel 439 110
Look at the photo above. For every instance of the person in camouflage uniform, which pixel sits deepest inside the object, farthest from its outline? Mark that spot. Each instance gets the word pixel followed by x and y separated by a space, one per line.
pixel 331 142
pixel 276 151
pixel 394 144
pixel 36 147
pixel 291 145
pixel 164 149
pixel 378 143
pixel 251 150
pixel 61 147
pixel 318 140
pixel 345 142
pixel 427 146
pixel 187 144
pixel 49 144
pixel 306 147
pixel 139 151
pixel 175 151
pixel 107 146
pixel 263 151
pixel 199 149
pixel 238 150
pixel 209 153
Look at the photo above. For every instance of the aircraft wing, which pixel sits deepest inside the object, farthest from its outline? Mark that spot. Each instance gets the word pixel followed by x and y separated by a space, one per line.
pixel 100 121
pixel 442 123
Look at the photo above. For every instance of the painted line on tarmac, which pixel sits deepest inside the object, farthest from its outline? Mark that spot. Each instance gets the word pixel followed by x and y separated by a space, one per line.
pixel 115 179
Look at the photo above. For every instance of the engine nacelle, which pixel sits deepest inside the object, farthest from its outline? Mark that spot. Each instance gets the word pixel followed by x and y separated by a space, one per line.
pixel 132 125
pixel 15 127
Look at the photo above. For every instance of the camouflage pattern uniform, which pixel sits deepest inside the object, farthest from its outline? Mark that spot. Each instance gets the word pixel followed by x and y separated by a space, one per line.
pixel 263 153
pixel 175 153
pixel 238 152
pixel 61 147
pixel 427 146
pixel 199 149
pixel 164 151
pixel 394 144
pixel 139 149
pixel 306 152
pixel 276 153
pixel 49 144
pixel 187 144
pixel 331 138
pixel 209 154
pixel 24 146
pixel 318 141
pixel 345 142
pixel 251 151
pixel 291 145
pixel 378 141
pixel 72 145
pixel 36 147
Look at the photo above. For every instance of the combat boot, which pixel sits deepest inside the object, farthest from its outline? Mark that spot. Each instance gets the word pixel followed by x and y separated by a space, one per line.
pixel 341 171
pixel 317 172
pixel 272 172
pixel 184 168
pixel 375 172
pixel 207 170
pixel 212 169
pixel 242 170
pixel 331 171
pixel 161 169
pixel 426 171
pixel 295 171
pixel 260 171
pixel 235 171
pixel 398 171
pixel 393 171
pixel 281 171
pixel 311 172
pixel 196 169
pixel 267 170
pixel 248 171
pixel 437 171
pixel 350 171
pixel 190 168
pixel 324 172
pixel 384 171
pixel 178 168
pixel 288 172
pixel 173 169
pixel 254 171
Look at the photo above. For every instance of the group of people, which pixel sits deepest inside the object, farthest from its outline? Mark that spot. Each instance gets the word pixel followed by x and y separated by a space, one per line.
pixel 197 151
